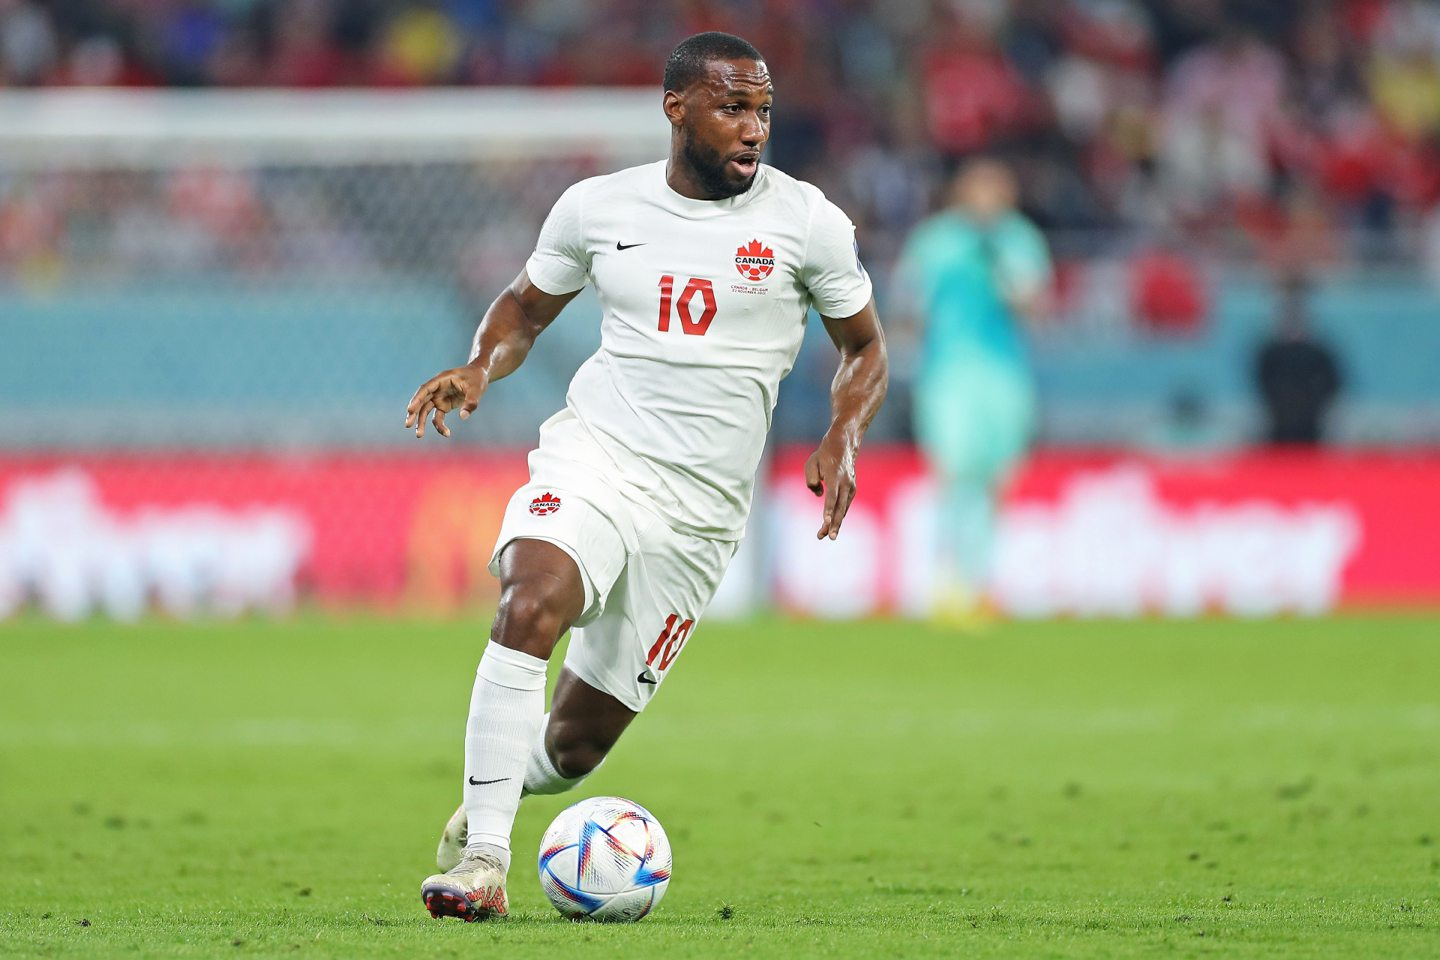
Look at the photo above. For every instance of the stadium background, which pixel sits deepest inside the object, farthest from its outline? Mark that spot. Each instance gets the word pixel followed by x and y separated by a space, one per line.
pixel 234 235
pixel 225 262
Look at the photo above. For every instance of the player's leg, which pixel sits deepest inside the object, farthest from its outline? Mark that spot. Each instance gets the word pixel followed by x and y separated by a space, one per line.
pixel 1005 394
pixel 581 728
pixel 947 431
pixel 542 593
pixel 967 526
pixel 616 663
pixel 628 651
pixel 557 558
pixel 973 420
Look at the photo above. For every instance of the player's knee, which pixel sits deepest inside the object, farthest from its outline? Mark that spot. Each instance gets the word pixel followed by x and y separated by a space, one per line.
pixel 573 753
pixel 530 618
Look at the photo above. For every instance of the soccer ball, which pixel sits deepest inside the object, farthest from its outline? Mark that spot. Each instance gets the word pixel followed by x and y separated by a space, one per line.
pixel 605 859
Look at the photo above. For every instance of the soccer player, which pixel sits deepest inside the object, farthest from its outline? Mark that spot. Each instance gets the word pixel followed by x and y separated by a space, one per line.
pixel 976 271
pixel 706 265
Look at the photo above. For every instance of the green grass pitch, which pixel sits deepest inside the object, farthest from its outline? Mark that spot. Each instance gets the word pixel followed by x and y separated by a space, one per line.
pixel 851 790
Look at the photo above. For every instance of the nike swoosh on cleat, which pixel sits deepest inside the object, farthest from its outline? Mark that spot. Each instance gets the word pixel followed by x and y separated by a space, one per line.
pixel 481 783
pixel 627 246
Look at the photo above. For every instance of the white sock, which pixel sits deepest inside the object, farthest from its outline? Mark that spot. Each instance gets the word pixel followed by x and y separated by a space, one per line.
pixel 540 774
pixel 506 714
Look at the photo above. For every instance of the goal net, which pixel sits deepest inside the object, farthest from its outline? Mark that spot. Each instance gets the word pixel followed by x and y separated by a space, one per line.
pixel 277 268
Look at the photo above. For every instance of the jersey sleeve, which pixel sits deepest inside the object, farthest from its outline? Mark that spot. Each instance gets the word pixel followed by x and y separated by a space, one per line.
pixel 837 281
pixel 561 261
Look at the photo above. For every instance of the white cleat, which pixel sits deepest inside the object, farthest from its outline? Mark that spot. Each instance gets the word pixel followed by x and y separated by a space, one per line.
pixel 452 842
pixel 472 890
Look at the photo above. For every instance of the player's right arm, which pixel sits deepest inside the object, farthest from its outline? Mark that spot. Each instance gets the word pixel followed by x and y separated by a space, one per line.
pixel 501 344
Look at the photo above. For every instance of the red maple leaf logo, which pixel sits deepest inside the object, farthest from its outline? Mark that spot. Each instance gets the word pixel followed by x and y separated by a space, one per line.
pixel 543 506
pixel 754 260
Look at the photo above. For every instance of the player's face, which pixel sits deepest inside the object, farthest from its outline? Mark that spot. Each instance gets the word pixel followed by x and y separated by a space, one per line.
pixel 726 124
pixel 987 190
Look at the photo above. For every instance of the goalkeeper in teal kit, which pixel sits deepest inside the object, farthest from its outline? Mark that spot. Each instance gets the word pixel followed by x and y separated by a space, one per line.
pixel 973 274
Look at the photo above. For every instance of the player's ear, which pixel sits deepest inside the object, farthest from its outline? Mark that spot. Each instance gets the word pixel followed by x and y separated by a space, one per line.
pixel 674 107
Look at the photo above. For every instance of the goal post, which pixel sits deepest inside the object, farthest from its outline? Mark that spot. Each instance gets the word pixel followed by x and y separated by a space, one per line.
pixel 104 127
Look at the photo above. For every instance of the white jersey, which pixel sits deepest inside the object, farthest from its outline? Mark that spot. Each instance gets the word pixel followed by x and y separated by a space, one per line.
pixel 704 305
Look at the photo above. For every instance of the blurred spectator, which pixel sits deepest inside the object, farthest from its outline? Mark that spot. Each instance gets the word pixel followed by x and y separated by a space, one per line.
pixel 974 97
pixel 1222 105
pixel 27 43
pixel 1167 294
pixel 1297 373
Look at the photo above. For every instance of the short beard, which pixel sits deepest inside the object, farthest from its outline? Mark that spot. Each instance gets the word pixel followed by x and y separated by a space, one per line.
pixel 709 169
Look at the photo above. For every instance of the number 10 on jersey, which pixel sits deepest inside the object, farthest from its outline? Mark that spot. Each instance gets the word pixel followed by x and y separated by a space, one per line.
pixel 696 286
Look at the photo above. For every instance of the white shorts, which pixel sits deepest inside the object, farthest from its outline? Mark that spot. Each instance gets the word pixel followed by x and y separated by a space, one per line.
pixel 646 585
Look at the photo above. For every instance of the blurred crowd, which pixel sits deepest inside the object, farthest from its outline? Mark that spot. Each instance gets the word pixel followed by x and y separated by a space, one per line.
pixel 1165 147
pixel 1149 136
pixel 1290 117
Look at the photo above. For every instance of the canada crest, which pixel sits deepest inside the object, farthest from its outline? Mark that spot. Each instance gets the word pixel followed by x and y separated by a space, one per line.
pixel 545 505
pixel 754 260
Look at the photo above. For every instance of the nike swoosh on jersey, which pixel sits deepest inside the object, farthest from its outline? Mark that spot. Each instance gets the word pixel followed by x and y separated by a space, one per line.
pixel 627 246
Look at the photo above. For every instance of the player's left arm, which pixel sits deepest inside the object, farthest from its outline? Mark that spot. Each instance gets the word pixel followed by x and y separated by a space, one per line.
pixel 1026 274
pixel 855 397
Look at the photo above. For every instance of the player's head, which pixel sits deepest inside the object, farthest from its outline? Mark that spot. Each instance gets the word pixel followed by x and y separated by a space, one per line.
pixel 717 98
pixel 986 189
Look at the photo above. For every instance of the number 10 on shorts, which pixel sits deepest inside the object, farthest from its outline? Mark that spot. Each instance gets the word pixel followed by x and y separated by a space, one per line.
pixel 667 645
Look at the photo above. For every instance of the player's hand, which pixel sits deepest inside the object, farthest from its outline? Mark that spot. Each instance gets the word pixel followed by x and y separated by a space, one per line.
pixel 461 387
pixel 830 472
